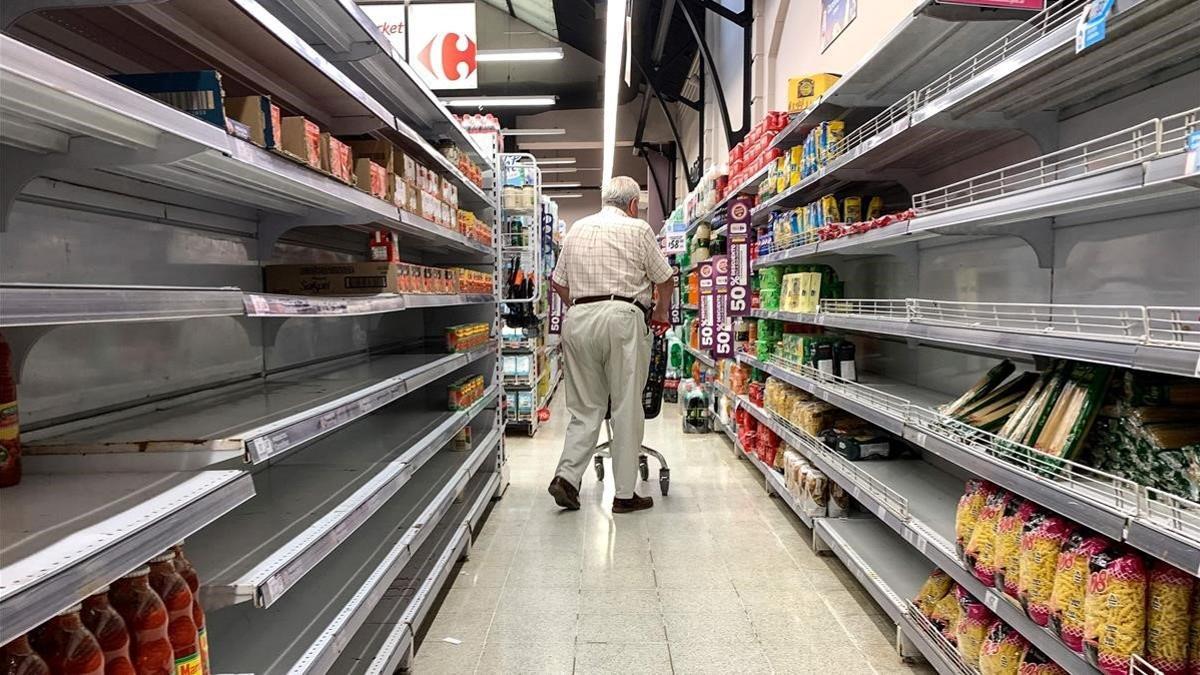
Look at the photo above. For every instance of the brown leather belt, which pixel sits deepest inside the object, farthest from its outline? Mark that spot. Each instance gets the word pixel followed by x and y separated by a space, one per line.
pixel 607 298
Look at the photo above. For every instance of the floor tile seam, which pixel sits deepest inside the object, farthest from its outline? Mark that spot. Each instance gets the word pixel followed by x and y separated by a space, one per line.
pixel 496 608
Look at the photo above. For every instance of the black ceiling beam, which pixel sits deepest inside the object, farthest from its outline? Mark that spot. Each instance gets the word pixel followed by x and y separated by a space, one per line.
pixel 660 32
pixel 511 12
pixel 651 89
pixel 709 64
pixel 743 18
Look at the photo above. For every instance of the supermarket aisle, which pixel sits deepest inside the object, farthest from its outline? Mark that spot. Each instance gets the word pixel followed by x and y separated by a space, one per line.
pixel 716 578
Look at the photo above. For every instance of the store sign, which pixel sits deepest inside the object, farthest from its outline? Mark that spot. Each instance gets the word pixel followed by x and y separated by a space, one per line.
pixel 707 310
pixel 1192 166
pixel 835 16
pixel 1032 5
pixel 723 333
pixel 392 22
pixel 556 314
pixel 1093 24
pixel 673 243
pixel 738 217
pixel 676 299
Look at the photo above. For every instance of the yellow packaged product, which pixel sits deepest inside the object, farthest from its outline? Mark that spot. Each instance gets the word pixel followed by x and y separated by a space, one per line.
pixel 980 553
pixel 973 624
pixel 1114 609
pixel 1168 616
pixel 1002 651
pixel 969 506
pixel 804 91
pixel 1008 545
pixel 852 209
pixel 944 615
pixel 1070 587
pixel 829 209
pixel 1041 541
pixel 935 588
pixel 1194 636
pixel 1037 663
pixel 874 208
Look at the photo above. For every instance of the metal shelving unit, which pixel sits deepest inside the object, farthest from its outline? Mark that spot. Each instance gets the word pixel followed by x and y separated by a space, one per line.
pixel 700 356
pixel 277 453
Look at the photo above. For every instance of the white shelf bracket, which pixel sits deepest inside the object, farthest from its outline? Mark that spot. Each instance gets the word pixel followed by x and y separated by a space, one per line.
pixel 909 652
pixel 21 341
pixel 19 167
pixel 272 227
pixel 1039 234
pixel 818 544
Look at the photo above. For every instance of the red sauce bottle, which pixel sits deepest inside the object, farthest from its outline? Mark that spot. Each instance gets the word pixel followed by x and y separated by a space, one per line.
pixel 109 628
pixel 18 658
pixel 69 648
pixel 188 572
pixel 10 436
pixel 145 618
pixel 181 629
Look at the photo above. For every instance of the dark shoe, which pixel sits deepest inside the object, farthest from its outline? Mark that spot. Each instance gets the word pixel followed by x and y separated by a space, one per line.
pixel 630 505
pixel 565 494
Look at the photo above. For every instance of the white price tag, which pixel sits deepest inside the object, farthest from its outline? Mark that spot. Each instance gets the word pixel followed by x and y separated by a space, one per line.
pixel 991 601
pixel 274 587
pixel 263 446
pixel 259 304
pixel 920 438
pixel 880 512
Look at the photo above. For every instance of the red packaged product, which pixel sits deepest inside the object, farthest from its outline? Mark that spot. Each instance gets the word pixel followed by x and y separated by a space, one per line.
pixel 146 620
pixel 10 429
pixel 185 569
pixel 68 647
pixel 109 628
pixel 1070 587
pixel 181 627
pixel 18 658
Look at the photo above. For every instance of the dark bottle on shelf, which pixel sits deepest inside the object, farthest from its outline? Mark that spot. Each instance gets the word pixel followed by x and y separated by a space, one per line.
pixel 109 628
pixel 69 648
pixel 188 572
pixel 18 658
pixel 181 627
pixel 145 617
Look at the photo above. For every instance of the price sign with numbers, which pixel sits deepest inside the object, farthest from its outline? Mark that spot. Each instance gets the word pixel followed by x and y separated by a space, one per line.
pixel 676 300
pixel 673 243
pixel 707 311
pixel 739 256
pixel 556 314
pixel 723 334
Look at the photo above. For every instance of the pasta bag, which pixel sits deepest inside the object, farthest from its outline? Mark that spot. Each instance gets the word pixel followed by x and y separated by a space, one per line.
pixel 944 615
pixel 1037 663
pixel 1041 541
pixel 973 625
pixel 980 554
pixel 1193 667
pixel 1003 650
pixel 1070 587
pixel 1114 609
pixel 967 514
pixel 1168 615
pixel 935 588
pixel 1008 545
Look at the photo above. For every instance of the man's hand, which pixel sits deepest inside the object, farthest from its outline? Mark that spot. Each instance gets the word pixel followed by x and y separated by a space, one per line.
pixel 660 328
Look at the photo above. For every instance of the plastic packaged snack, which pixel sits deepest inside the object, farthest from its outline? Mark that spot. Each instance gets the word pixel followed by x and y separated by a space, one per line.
pixel 1194 636
pixel 973 625
pixel 839 501
pixel 980 553
pixel 1037 663
pixel 945 614
pixel 1041 542
pixel 967 514
pixel 1070 587
pixel 1168 615
pixel 816 494
pixel 1002 651
pixel 1008 544
pixel 1114 609
pixel 935 588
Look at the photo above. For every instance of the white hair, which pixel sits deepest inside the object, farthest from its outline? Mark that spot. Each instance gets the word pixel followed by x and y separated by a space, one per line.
pixel 618 191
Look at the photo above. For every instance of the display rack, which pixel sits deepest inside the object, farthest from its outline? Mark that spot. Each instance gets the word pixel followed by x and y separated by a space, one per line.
pixel 274 442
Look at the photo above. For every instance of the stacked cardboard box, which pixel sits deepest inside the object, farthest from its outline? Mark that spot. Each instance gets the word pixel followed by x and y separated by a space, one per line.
pixel 357 278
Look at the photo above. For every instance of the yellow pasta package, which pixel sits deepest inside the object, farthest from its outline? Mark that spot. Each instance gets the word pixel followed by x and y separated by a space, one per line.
pixel 1041 541
pixel 1070 587
pixel 1037 663
pixel 935 588
pixel 1194 636
pixel 980 553
pixel 1114 608
pixel 1003 650
pixel 944 615
pixel 967 514
pixel 1008 545
pixel 973 624
pixel 1168 615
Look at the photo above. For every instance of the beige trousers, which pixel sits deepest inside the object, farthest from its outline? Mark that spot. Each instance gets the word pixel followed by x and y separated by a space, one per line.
pixel 606 347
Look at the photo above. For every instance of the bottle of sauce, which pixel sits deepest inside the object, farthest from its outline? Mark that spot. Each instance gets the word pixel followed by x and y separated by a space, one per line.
pixel 181 627
pixel 69 647
pixel 109 628
pixel 145 618
pixel 188 572
pixel 10 437
pixel 18 658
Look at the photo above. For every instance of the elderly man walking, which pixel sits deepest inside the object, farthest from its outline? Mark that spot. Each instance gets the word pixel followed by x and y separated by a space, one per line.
pixel 609 267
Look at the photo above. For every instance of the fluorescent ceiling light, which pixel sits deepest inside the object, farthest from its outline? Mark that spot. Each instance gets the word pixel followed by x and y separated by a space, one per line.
pixel 551 186
pixel 614 34
pixel 500 55
pixel 554 161
pixel 565 195
pixel 559 169
pixel 498 101
pixel 533 132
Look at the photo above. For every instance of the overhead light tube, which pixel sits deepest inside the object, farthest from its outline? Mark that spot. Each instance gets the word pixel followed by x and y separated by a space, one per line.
pixel 554 161
pixel 557 169
pixel 552 186
pixel 533 132
pixel 614 34
pixel 498 101
pixel 502 55
pixel 564 195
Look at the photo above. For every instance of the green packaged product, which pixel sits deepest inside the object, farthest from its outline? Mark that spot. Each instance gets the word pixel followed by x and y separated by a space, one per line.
pixel 770 277
pixel 768 298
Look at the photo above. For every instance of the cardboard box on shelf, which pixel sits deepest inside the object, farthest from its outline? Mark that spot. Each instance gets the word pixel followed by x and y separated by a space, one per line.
pixel 371 177
pixel 302 140
pixel 412 198
pixel 332 278
pixel 804 91
pixel 260 116
pixel 198 92
pixel 452 197
pixel 336 158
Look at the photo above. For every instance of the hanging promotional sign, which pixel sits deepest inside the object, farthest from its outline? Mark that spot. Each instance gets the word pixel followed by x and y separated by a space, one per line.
pixel 556 314
pixel 723 325
pixel 392 22
pixel 738 217
pixel 707 310
pixel 1192 161
pixel 835 16
pixel 676 299
pixel 1093 24
pixel 673 243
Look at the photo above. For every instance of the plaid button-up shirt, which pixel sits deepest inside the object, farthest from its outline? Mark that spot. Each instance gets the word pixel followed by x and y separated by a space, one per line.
pixel 609 253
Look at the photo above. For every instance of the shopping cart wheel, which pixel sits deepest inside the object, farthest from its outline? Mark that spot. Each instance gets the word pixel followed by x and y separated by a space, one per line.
pixel 664 480
pixel 644 467
pixel 598 462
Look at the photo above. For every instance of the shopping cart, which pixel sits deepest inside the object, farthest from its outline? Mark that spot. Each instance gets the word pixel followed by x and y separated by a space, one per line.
pixel 652 396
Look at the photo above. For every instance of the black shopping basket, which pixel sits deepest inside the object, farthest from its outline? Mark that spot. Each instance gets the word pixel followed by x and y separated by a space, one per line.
pixel 652 396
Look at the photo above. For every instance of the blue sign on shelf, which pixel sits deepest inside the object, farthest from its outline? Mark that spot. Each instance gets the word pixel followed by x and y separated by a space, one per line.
pixel 1093 24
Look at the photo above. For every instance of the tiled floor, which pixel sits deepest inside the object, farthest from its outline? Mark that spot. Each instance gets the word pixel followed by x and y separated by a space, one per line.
pixel 716 578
